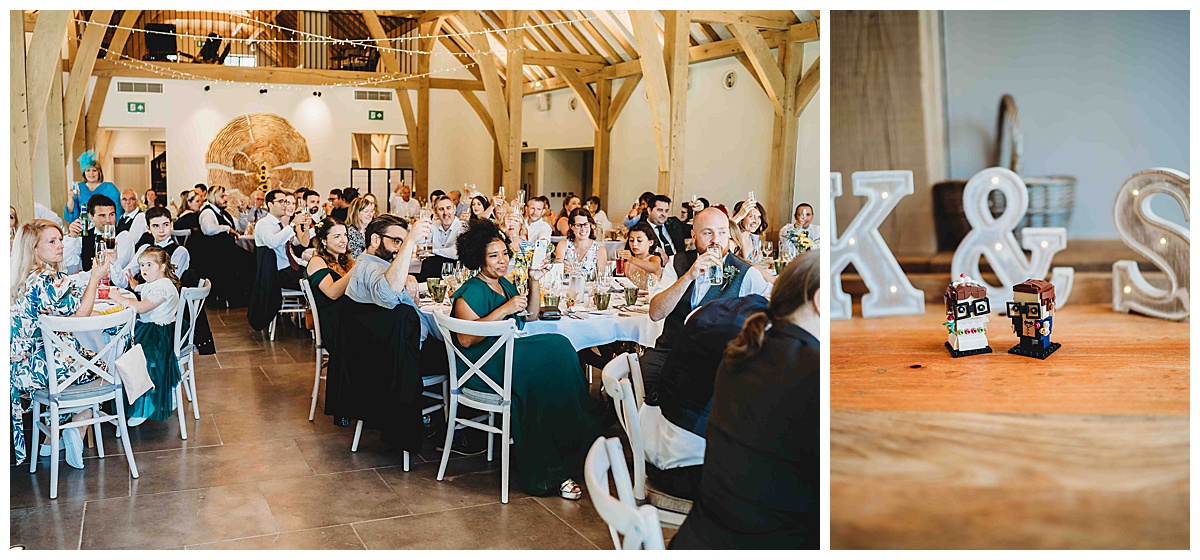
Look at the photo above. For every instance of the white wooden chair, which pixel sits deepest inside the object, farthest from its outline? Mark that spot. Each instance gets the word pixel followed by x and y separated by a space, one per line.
pixel 181 236
pixel 62 397
pixel 191 301
pixel 639 525
pixel 619 386
pixel 294 301
pixel 499 400
pixel 321 354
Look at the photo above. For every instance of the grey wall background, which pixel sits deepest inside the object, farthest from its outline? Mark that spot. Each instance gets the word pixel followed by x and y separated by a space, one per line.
pixel 1101 95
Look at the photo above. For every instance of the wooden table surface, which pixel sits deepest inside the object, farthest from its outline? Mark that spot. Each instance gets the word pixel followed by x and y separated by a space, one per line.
pixel 1086 449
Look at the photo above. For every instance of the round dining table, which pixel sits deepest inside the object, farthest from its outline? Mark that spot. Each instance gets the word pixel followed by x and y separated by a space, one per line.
pixel 584 327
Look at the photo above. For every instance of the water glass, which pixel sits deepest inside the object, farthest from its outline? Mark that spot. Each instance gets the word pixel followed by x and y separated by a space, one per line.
pixel 651 283
pixel 438 292
pixel 716 274
pixel 601 300
pixel 631 293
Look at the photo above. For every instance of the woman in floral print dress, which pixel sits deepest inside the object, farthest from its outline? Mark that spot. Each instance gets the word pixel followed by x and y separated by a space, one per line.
pixel 38 286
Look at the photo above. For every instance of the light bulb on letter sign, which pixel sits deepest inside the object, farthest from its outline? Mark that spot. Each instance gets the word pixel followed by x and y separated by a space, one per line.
pixel 1164 243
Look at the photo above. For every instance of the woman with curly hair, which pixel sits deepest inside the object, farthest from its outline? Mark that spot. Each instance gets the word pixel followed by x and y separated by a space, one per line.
pixel 328 273
pixel 554 416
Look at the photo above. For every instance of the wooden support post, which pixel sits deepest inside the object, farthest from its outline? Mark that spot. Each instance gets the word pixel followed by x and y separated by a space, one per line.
pixel 650 56
pixel 81 71
pixel 760 57
pixel 88 134
pixel 56 141
pixel 20 170
pixel 516 36
pixel 602 143
pixel 497 102
pixel 622 97
pixel 782 183
pixel 421 152
pixel 44 50
pixel 677 33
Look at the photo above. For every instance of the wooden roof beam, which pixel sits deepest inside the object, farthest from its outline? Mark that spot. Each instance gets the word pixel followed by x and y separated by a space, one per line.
pixel 764 63
pixel 491 82
pixel 561 42
pixel 650 57
pixel 82 69
pixel 595 34
pixel 565 60
pixel 621 98
pixel 584 93
pixel 581 39
pixel 809 83
pixel 771 19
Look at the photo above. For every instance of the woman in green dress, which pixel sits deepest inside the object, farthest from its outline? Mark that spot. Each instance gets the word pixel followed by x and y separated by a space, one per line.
pixel 554 418
pixel 328 273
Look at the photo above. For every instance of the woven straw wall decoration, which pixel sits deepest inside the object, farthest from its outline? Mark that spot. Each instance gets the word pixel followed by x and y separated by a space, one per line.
pixel 246 144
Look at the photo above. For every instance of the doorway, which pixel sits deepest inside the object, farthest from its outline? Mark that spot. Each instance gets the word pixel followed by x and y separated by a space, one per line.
pixel 131 172
pixel 566 172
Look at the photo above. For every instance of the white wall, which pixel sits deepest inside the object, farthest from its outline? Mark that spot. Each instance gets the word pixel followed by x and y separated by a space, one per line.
pixel 562 172
pixel 1101 95
pixel 192 117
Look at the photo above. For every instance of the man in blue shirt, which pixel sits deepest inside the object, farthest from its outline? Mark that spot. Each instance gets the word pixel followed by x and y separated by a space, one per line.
pixel 380 275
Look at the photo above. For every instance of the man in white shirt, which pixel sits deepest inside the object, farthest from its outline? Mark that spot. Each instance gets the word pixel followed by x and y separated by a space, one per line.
pixel 803 223
pixel 684 285
pixel 79 249
pixel 403 204
pixel 312 201
pixel 535 227
pixel 130 227
pixel 443 240
pixel 160 236
pixel 276 231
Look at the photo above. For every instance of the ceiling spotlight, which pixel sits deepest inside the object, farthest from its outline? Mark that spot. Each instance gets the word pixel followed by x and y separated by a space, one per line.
pixel 264 90
pixel 206 88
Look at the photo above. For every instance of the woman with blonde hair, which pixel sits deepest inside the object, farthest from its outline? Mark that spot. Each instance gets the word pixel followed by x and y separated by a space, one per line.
pixel 764 418
pixel 38 286
pixel 360 213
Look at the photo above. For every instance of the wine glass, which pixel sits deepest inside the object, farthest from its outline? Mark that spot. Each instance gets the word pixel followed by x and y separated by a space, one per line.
pixel 767 250
pixel 447 271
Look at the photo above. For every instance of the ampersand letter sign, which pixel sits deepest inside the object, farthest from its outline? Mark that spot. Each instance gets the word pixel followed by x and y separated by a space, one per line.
pixel 889 291
pixel 993 238
pixel 1165 243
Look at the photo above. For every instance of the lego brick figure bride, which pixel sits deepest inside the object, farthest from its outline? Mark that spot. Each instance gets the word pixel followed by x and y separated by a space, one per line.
pixel 967 309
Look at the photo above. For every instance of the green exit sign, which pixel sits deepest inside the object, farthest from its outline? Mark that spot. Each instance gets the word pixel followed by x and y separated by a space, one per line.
pixel 375 115
pixel 136 106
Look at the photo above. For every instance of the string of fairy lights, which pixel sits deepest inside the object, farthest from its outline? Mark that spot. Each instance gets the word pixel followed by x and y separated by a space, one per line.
pixel 312 38
pixel 172 73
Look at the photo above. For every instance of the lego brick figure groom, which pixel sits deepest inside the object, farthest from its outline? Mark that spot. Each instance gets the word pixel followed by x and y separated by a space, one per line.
pixel 1032 315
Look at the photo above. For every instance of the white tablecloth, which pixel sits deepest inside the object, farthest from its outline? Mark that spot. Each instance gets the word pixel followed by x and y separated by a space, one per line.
pixel 594 330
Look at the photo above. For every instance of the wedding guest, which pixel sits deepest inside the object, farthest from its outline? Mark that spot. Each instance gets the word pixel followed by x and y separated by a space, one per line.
pixel 685 285
pixel 39 286
pixel 151 199
pixel 535 227
pixel 159 236
pixel 79 249
pixel 328 273
pixel 753 223
pixel 132 219
pixel 442 241
pixel 189 205
pixel 562 225
pixel 602 221
pixel 312 201
pixel 553 415
pixel 672 233
pixel 675 417
pixel 256 211
pixel 276 231
pixel 481 209
pixel 93 183
pixel 639 209
pixel 380 275
pixel 460 207
pixel 360 213
pixel 790 233
pixel 217 254
pixel 579 252
pixel 403 204
pixel 761 483
pixel 642 257
pixel 155 332
pixel 338 205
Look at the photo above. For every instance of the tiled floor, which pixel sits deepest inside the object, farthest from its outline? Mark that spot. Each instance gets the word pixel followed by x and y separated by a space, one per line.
pixel 254 473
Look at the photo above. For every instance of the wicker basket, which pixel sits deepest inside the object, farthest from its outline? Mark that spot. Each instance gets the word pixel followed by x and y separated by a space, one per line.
pixel 1051 198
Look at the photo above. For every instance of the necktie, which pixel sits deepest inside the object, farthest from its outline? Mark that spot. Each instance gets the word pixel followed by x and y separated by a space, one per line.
pixel 666 240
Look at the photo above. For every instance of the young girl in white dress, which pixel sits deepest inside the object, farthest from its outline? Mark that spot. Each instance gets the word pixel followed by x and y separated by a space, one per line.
pixel 155 331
